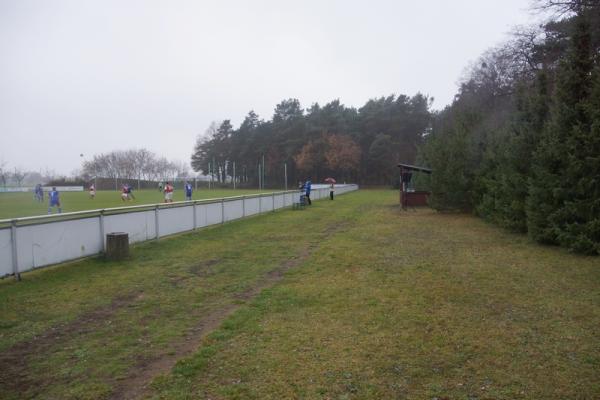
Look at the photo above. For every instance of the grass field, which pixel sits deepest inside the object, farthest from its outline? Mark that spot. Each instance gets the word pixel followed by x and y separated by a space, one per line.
pixel 15 205
pixel 350 299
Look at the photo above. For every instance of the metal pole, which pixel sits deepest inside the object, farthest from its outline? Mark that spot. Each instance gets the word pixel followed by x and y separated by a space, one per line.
pixel 234 175
pixel 285 174
pixel 156 221
pixel 263 171
pixel 243 206
pixel 273 201
pixel 102 245
pixel 222 211
pixel 194 212
pixel 13 237
pixel 259 175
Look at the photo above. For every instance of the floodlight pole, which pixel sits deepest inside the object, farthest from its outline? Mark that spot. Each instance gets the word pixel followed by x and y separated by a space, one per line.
pixel 259 175
pixel 263 171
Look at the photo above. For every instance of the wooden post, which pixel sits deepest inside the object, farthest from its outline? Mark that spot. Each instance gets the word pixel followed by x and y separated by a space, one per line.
pixel 117 246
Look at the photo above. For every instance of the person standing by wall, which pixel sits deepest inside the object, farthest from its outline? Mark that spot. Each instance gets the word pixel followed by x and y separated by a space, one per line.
pixel 307 188
pixel 54 200
pixel 331 190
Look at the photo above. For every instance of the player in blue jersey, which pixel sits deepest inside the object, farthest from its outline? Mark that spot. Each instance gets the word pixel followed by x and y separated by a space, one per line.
pixel 308 188
pixel 130 192
pixel 188 190
pixel 54 200
pixel 39 192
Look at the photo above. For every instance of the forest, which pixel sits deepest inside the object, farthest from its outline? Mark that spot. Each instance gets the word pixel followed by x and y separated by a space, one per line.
pixel 358 145
pixel 519 145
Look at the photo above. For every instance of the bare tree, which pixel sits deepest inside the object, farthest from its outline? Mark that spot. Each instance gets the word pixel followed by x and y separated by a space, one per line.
pixel 563 8
pixel 18 175
pixel 3 173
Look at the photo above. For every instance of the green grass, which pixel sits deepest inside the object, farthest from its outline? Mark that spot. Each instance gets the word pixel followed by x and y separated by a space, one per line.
pixel 387 304
pixel 15 205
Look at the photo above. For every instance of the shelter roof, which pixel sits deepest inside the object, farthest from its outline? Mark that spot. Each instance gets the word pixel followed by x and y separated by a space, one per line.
pixel 415 168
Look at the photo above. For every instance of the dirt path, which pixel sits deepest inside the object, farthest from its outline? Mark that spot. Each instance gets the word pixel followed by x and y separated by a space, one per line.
pixel 14 361
pixel 136 385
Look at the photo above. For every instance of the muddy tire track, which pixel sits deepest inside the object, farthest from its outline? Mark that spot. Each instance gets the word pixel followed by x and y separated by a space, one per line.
pixel 136 386
pixel 14 360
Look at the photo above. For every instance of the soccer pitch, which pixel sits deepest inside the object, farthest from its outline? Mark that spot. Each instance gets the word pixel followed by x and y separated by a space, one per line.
pixel 16 205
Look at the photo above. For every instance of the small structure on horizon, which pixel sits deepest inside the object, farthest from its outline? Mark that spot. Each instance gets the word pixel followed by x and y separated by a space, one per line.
pixel 411 198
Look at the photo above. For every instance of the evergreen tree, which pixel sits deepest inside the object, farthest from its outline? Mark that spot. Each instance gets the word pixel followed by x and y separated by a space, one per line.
pixel 562 194
pixel 506 181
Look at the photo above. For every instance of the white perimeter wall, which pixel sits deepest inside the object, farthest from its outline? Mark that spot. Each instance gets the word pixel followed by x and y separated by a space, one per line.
pixel 44 243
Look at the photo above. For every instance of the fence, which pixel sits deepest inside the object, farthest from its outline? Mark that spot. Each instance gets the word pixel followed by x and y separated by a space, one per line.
pixel 34 242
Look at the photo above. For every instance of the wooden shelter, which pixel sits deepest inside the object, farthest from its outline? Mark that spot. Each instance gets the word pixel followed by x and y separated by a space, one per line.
pixel 410 198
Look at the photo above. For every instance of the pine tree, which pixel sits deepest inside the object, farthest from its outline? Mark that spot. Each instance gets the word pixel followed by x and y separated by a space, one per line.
pixel 514 156
pixel 452 181
pixel 562 204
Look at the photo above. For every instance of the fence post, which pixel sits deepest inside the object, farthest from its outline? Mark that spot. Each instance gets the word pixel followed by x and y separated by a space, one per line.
pixel 156 221
pixel 260 203
pixel 102 246
pixel 273 201
pixel 222 211
pixel 243 206
pixel 13 237
pixel 195 223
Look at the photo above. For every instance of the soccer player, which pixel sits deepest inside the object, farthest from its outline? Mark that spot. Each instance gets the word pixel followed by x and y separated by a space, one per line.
pixel 130 195
pixel 168 193
pixel 188 190
pixel 39 193
pixel 124 194
pixel 54 200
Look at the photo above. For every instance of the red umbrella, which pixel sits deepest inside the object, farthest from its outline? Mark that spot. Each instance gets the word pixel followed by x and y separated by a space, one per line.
pixel 329 180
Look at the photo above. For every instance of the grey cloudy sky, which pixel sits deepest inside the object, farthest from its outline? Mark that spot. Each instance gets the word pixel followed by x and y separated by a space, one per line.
pixel 93 76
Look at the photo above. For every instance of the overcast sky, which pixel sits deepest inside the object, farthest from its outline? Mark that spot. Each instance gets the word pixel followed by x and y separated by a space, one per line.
pixel 94 76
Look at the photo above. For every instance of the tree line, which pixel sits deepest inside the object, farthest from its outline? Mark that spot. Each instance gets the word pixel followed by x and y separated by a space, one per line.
pixel 360 145
pixel 520 144
pixel 139 164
